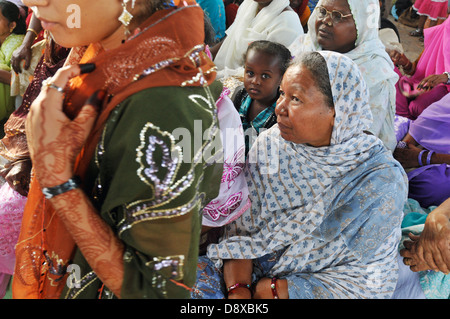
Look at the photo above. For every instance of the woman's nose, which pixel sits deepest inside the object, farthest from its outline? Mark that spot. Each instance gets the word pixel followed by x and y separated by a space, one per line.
pixel 327 19
pixel 280 108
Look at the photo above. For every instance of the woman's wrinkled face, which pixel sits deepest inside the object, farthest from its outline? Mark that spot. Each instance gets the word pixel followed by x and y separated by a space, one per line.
pixel 78 22
pixel 339 37
pixel 302 112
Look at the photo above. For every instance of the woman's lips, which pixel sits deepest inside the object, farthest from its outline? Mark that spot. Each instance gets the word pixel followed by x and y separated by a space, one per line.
pixel 47 25
pixel 282 127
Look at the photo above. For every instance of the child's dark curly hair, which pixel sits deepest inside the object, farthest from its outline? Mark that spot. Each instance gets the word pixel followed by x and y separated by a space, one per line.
pixel 273 49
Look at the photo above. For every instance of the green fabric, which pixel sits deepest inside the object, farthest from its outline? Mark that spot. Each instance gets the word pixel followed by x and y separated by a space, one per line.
pixel 129 188
pixel 6 50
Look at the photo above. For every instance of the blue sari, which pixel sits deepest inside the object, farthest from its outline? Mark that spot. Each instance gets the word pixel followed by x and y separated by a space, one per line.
pixel 326 219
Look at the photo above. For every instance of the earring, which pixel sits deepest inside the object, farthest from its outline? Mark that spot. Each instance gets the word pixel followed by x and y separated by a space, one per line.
pixel 126 17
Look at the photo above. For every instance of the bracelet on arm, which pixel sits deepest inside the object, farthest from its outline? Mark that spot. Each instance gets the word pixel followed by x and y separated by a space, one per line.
pixel 273 286
pixel 231 289
pixel 50 192
pixel 430 153
pixel 34 31
pixel 420 157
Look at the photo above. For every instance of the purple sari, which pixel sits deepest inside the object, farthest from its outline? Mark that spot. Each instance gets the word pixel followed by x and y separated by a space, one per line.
pixel 430 184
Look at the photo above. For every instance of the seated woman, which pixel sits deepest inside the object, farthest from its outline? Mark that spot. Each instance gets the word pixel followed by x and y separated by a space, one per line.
pixel 134 194
pixel 351 27
pixel 424 81
pixel 256 20
pixel 327 198
pixel 425 153
pixel 13 29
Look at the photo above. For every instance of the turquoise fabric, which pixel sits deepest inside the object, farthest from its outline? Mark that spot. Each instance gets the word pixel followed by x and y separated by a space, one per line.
pixel 435 285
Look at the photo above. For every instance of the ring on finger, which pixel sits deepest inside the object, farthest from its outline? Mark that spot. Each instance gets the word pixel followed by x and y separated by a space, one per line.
pixel 51 85
pixel 407 261
pixel 16 183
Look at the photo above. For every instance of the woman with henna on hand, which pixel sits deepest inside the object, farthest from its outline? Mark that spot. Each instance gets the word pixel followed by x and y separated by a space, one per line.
pixel 113 196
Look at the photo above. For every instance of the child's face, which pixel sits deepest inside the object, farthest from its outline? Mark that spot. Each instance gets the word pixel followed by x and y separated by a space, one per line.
pixel 262 76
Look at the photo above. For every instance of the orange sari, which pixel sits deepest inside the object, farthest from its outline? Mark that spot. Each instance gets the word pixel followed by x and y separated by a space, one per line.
pixel 164 52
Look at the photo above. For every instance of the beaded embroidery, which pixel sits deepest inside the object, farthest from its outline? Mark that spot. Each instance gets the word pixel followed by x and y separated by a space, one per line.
pixel 170 267
pixel 83 283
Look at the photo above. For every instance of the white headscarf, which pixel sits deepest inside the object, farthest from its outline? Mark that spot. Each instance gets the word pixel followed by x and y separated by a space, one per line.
pixel 272 23
pixel 373 61
pixel 296 189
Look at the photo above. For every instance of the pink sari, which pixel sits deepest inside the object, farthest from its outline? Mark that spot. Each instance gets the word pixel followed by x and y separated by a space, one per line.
pixel 435 59
pixel 11 210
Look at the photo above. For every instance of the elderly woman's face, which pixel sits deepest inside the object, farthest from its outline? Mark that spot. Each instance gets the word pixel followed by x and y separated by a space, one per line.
pixel 303 115
pixel 336 36
pixel 78 22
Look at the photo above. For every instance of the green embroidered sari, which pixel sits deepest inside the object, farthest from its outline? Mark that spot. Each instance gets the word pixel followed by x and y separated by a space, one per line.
pixel 170 158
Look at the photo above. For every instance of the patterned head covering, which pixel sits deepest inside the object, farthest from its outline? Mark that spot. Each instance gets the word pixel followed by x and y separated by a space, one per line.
pixel 297 190
pixel 349 144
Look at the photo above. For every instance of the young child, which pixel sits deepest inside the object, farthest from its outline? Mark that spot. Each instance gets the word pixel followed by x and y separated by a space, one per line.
pixel 265 64
pixel 429 9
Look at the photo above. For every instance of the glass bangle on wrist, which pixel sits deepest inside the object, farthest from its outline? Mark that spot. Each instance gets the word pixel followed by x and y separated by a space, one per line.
pixel 231 289
pixel 430 153
pixel 419 158
pixel 50 192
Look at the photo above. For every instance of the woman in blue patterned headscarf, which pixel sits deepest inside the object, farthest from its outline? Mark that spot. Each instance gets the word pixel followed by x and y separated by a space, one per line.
pixel 327 197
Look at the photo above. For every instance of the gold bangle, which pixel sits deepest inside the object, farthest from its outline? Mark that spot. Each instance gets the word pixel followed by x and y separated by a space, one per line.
pixel 34 31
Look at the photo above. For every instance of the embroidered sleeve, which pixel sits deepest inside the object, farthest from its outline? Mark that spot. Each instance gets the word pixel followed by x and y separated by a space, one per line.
pixel 153 184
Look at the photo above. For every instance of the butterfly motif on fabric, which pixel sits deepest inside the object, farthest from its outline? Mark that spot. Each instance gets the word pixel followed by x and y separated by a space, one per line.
pixel 225 209
pixel 233 168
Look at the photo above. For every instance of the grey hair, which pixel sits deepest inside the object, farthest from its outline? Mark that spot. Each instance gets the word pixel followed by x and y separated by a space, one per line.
pixel 315 63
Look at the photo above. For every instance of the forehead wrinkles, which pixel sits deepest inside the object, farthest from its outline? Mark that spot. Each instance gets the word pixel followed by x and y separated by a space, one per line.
pixel 293 79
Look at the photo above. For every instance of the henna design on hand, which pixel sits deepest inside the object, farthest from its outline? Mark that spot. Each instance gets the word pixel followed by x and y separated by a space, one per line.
pixel 96 240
